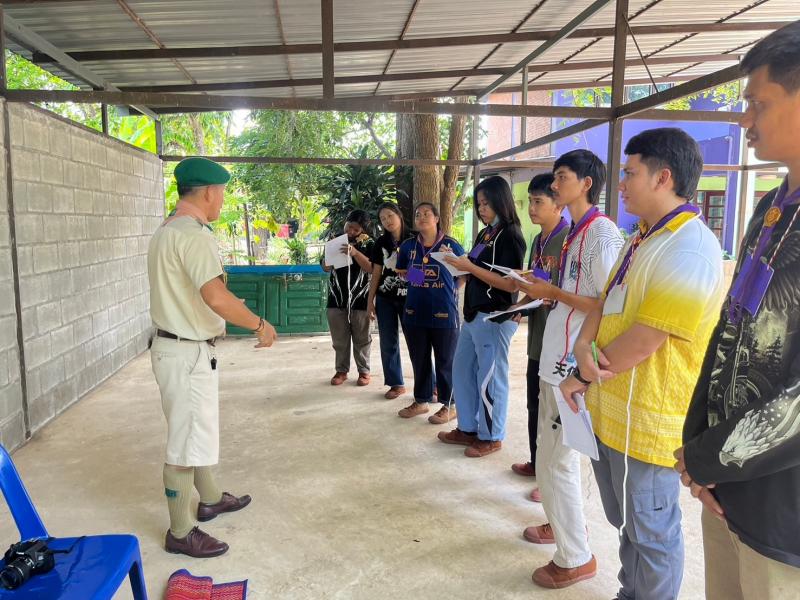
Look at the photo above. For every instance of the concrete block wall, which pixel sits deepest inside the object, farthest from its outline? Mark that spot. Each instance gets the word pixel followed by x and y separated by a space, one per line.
pixel 12 429
pixel 85 207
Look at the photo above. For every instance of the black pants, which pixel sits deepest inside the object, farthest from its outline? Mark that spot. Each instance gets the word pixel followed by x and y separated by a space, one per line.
pixel 420 342
pixel 532 378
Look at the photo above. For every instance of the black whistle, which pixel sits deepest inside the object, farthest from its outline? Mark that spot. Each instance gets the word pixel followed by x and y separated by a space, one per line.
pixel 213 364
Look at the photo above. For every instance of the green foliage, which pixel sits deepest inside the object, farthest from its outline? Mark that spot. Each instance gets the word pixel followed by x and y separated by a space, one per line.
pixel 349 187
pixel 298 254
pixel 724 95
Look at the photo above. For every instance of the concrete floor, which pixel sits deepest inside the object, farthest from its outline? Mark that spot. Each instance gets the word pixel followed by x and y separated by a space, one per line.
pixel 349 501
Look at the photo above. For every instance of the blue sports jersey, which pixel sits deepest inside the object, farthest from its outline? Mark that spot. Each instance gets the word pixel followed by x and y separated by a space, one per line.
pixel 434 301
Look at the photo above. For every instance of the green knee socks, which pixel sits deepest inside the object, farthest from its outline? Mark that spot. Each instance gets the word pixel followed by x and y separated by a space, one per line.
pixel 207 486
pixel 178 483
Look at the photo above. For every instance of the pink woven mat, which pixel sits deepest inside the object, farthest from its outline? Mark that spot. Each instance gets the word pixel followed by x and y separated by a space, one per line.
pixel 182 585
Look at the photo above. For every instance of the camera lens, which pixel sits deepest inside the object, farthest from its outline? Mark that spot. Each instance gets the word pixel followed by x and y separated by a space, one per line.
pixel 15 574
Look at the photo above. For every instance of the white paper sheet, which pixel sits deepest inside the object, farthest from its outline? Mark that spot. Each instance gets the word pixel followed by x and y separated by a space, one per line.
pixel 576 428
pixel 439 257
pixel 333 253
pixel 507 272
pixel 530 305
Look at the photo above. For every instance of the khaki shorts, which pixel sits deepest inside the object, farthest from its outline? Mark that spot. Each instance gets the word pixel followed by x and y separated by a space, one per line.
pixel 190 399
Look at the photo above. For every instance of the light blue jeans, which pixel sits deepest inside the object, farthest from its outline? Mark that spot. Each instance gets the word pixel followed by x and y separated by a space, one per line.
pixel 480 377
pixel 651 547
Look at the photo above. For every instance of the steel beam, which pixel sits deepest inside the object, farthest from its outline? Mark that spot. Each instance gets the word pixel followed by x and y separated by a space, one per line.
pixel 327 49
pixel 546 139
pixel 404 44
pixel 412 76
pixel 297 160
pixel 562 33
pixel 613 158
pixel 360 104
pixel 32 40
pixel 693 86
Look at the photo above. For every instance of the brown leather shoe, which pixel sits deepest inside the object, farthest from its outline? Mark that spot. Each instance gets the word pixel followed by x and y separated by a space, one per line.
pixel 539 534
pixel 413 409
pixel 524 469
pixel 197 544
pixel 443 415
pixel 481 448
pixel 456 436
pixel 228 503
pixel 554 577
pixel 363 379
pixel 536 495
pixel 339 378
pixel 395 392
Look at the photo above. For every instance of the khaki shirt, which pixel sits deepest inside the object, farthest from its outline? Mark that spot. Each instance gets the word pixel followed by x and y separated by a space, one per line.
pixel 181 258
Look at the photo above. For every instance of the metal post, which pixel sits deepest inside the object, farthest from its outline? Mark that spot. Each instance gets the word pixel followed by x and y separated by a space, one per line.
pixel 12 235
pixel 104 117
pixel 523 128
pixel 476 171
pixel 159 138
pixel 250 258
pixel 617 99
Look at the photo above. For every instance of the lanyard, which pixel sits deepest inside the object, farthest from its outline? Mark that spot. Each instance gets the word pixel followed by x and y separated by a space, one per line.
pixel 488 234
pixel 771 218
pixel 439 238
pixel 640 238
pixel 540 246
pixel 586 220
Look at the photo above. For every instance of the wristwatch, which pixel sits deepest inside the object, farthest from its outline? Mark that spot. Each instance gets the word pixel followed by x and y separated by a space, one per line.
pixel 576 373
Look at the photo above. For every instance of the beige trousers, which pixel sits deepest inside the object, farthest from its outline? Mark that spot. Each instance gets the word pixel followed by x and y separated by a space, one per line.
pixel 734 571
pixel 190 399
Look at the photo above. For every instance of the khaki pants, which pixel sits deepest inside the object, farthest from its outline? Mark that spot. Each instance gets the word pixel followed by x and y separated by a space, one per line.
pixel 190 400
pixel 350 333
pixel 734 571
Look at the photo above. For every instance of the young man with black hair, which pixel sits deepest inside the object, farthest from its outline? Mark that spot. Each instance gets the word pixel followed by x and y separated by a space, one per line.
pixel 651 329
pixel 742 435
pixel 545 254
pixel 590 249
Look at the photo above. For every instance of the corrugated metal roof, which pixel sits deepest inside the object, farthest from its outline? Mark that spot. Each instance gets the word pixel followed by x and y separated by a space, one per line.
pixel 103 25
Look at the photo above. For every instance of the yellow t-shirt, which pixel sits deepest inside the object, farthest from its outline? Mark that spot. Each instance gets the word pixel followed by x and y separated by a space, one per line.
pixel 674 284
pixel 181 258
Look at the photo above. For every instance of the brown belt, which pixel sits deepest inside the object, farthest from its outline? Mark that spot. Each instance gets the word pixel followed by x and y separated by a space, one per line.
pixel 172 336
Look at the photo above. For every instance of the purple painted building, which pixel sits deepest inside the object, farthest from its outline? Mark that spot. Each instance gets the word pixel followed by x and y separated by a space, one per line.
pixel 719 143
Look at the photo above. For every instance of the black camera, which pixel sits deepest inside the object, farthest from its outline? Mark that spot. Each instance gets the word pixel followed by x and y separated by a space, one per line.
pixel 24 559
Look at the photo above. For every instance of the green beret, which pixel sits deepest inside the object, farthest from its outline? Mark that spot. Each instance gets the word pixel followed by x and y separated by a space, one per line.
pixel 197 172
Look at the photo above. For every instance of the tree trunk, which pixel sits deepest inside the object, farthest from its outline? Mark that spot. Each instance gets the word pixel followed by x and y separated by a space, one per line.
pixel 427 180
pixel 404 176
pixel 199 133
pixel 455 150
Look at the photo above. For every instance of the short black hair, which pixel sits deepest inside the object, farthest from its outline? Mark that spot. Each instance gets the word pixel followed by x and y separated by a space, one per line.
pixel 498 194
pixel 780 53
pixel 542 184
pixel 585 164
pixel 358 216
pixel 674 149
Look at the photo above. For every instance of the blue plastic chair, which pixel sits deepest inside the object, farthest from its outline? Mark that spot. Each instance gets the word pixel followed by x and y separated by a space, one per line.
pixel 93 570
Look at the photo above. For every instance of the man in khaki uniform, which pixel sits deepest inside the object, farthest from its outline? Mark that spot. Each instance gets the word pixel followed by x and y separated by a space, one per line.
pixel 189 305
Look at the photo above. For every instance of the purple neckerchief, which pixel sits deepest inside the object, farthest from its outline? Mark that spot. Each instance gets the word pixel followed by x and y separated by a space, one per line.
pixel 479 247
pixel 625 265
pixel 540 246
pixel 576 228
pixel 755 274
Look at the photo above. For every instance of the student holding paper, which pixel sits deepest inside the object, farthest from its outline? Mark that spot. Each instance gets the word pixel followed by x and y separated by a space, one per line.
pixel 387 295
pixel 348 320
pixel 545 253
pixel 431 314
pixel 589 252
pixel 658 311
pixel 480 366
